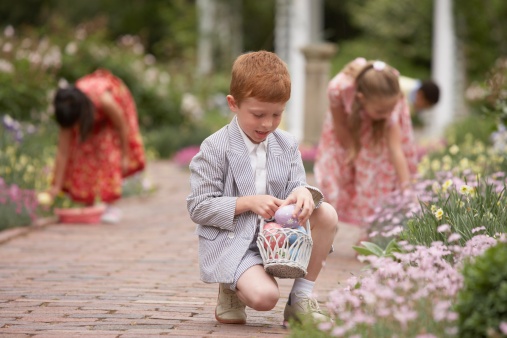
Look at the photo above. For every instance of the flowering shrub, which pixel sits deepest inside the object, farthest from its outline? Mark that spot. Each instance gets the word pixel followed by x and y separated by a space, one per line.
pixel 17 206
pixel 410 295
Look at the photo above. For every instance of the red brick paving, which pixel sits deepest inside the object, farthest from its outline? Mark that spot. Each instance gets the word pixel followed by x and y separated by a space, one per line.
pixel 139 278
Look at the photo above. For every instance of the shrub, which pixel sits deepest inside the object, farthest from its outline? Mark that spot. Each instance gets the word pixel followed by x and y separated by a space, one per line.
pixel 482 302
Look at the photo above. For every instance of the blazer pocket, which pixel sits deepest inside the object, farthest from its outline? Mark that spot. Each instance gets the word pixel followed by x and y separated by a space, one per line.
pixel 208 232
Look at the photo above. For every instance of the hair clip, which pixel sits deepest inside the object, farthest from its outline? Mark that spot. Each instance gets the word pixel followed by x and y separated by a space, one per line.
pixel 379 65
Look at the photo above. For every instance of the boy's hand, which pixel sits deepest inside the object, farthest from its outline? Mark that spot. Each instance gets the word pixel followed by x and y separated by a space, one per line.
pixel 263 205
pixel 303 200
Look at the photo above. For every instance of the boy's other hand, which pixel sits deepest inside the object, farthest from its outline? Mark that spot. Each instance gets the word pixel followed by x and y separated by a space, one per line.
pixel 303 200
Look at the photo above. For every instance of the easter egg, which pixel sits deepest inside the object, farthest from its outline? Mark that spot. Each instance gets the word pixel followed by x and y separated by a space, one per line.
pixel 293 237
pixel 272 236
pixel 293 254
pixel 283 216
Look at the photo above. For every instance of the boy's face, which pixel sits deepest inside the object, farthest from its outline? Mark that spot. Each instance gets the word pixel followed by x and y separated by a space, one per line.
pixel 257 119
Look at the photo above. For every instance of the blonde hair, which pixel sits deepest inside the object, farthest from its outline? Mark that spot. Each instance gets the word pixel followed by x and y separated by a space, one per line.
pixel 375 80
pixel 261 75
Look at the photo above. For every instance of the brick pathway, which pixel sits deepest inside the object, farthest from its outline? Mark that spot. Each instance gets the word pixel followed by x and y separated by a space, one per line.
pixel 139 278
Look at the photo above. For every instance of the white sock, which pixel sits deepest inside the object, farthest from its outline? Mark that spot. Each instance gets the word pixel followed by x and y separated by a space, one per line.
pixel 301 287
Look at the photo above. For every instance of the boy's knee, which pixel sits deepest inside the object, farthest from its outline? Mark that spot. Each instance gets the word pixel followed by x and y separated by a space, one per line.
pixel 327 218
pixel 265 299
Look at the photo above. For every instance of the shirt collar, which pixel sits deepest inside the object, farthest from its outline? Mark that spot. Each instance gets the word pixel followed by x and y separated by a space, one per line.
pixel 249 144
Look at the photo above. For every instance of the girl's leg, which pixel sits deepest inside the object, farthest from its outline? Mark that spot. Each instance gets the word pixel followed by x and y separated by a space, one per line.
pixel 257 289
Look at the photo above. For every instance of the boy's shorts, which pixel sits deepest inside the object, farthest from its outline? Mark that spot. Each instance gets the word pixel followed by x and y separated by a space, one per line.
pixel 252 257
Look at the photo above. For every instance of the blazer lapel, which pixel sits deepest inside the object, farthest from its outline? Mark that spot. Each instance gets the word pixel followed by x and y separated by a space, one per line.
pixel 277 167
pixel 240 161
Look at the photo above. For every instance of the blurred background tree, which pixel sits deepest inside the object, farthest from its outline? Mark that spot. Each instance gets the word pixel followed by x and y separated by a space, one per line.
pixel 152 45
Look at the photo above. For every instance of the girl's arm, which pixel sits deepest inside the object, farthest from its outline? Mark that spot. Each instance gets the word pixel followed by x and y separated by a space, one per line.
pixel 341 128
pixel 62 158
pixel 397 155
pixel 115 113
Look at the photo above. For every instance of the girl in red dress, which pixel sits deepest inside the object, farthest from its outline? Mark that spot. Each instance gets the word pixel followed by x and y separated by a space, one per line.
pixel 99 141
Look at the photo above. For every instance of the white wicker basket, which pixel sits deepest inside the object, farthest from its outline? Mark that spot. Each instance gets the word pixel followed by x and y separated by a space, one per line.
pixel 281 258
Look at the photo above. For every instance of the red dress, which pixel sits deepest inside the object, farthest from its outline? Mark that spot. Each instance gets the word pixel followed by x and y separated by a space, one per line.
pixel 94 168
pixel 355 190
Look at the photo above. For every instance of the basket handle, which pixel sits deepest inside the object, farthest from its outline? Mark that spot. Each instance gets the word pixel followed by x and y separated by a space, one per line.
pixel 308 228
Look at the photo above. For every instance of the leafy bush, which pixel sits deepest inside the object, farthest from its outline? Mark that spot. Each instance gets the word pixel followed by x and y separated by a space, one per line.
pixel 482 302
pixel 168 139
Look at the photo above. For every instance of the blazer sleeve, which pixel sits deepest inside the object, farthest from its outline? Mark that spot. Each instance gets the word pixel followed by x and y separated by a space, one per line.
pixel 206 204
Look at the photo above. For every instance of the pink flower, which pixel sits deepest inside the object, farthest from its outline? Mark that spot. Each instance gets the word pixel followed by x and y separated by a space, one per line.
pixel 503 327
pixel 185 155
pixel 444 228
pixel 454 237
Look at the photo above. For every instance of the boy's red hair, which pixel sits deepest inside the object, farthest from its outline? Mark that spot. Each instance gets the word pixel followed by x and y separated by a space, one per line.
pixel 261 75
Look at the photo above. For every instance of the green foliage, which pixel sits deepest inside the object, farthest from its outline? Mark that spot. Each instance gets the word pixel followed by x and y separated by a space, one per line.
pixel 484 40
pixel 462 208
pixel 165 141
pixel 471 127
pixel 13 215
pixel 381 21
pixel 482 302
pixel 369 248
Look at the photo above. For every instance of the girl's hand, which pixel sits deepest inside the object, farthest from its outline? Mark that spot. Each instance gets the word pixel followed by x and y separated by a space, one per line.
pixel 304 204
pixel 124 164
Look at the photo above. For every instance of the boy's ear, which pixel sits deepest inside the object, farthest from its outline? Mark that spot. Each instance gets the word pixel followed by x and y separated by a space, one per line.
pixel 232 103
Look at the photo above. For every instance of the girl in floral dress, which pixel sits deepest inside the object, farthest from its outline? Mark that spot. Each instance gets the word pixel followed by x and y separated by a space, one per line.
pixel 366 150
pixel 99 141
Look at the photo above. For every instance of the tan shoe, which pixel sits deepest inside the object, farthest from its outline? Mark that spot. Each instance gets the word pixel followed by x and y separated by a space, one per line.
pixel 306 307
pixel 229 310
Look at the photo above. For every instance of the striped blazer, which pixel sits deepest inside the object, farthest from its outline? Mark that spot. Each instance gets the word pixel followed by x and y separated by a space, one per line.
pixel 219 174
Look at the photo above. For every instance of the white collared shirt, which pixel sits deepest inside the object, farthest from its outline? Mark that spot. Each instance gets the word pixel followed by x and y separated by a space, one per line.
pixel 257 153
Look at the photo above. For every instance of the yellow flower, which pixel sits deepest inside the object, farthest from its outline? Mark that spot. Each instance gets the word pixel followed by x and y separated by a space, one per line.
pixel 454 149
pixel 44 198
pixel 439 213
pixel 446 184
pixel 466 190
pixel 433 208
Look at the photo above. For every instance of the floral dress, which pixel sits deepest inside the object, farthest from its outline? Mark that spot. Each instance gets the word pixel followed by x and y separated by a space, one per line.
pixel 94 168
pixel 356 189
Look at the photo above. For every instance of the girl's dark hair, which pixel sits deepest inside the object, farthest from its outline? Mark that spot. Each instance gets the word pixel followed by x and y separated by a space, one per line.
pixel 73 106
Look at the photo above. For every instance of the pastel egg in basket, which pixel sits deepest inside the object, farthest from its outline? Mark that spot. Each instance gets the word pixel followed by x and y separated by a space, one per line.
pixel 283 216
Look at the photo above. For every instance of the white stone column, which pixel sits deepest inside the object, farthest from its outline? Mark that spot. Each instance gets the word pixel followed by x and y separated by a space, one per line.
pixel 294 30
pixel 444 67
pixel 318 68
pixel 205 14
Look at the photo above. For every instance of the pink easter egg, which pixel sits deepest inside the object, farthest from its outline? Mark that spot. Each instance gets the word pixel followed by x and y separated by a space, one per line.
pixel 283 216
pixel 272 236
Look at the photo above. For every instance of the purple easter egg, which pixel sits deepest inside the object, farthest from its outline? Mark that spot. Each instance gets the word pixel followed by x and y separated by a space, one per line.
pixel 283 216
